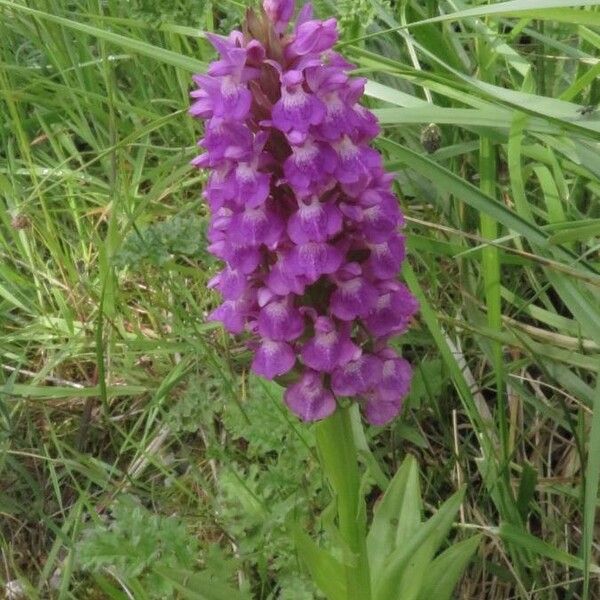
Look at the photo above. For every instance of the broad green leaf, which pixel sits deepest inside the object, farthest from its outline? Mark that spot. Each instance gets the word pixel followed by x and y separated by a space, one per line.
pixel 415 571
pixel 433 532
pixel 327 572
pixel 396 516
pixel 445 571
pixel 336 450
pixel 198 586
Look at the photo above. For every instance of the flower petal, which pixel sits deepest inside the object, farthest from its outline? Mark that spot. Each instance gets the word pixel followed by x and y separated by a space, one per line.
pixel 357 376
pixel 273 359
pixel 330 347
pixel 386 257
pixel 280 12
pixel 314 221
pixel 279 320
pixel 315 259
pixel 378 411
pixel 395 381
pixel 392 312
pixel 353 298
pixel 309 399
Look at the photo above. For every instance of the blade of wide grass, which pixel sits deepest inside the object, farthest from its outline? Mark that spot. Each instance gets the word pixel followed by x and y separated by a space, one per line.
pixel 555 10
pixel 466 192
pixel 490 262
pixel 592 477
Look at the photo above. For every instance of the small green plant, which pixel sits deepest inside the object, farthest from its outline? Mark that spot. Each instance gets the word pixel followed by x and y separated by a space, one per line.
pixel 268 478
pixel 146 551
pixel 161 242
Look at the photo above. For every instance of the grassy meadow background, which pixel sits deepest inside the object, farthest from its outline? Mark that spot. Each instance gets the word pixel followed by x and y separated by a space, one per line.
pixel 138 457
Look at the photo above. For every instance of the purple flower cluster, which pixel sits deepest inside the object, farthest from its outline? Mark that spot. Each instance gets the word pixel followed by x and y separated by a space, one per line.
pixel 303 215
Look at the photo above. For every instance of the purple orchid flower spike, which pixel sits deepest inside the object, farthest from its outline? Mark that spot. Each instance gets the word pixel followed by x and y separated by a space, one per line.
pixel 303 215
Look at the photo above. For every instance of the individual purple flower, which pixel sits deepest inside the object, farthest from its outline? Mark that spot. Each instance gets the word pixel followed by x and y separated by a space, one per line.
pixel 225 139
pixel 223 97
pixel 280 320
pixel 384 401
pixel 231 283
pixel 251 184
pixel 245 183
pixel 357 376
pixel 379 410
pixel 314 221
pixel 303 215
pixel 385 257
pixel 310 165
pixel 233 313
pixel 354 295
pixel 367 126
pixel 380 215
pixel 354 162
pixel 256 226
pixel 240 257
pixel 309 398
pixel 329 348
pixel 313 37
pixel 395 377
pixel 339 117
pixel 273 359
pixel 234 57
pixel 282 280
pixel 296 110
pixel 314 259
pixel 392 312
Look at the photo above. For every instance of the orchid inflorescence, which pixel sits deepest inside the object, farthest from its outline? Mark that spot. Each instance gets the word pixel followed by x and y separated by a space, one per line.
pixel 303 215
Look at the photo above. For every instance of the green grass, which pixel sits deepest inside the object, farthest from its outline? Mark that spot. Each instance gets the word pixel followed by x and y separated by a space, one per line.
pixel 135 450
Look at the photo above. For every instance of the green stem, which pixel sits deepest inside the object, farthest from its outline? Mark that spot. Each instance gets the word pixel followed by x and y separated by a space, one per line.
pixel 339 460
